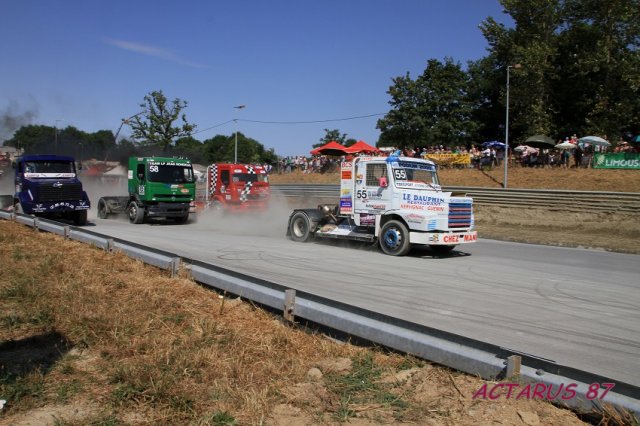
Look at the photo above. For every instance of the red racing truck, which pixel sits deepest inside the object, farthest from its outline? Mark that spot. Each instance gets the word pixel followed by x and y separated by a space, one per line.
pixel 237 187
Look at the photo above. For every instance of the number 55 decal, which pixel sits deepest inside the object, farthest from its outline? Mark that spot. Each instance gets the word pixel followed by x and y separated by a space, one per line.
pixel 361 193
pixel 400 174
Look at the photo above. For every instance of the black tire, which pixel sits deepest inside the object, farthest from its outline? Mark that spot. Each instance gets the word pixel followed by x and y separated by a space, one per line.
pixel 17 208
pixel 103 212
pixel 440 250
pixel 136 213
pixel 300 227
pixel 80 218
pixel 394 238
pixel 181 219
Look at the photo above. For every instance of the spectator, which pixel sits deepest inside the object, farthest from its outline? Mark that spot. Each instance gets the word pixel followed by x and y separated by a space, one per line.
pixel 577 155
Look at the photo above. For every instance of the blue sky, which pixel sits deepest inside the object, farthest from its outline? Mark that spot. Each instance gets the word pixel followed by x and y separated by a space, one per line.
pixel 89 64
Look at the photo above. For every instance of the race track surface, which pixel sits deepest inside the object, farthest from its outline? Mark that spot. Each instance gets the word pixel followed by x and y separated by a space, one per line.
pixel 577 307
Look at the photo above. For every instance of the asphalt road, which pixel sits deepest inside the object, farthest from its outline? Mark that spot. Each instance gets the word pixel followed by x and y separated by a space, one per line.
pixel 577 307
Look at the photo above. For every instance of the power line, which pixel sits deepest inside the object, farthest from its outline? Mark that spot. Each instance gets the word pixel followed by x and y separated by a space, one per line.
pixel 289 122
pixel 212 127
pixel 314 121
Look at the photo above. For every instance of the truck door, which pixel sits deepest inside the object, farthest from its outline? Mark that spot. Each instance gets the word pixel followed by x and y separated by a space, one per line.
pixel 372 193
pixel 224 180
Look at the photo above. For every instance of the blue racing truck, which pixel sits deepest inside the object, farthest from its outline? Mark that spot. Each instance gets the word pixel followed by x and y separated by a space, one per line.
pixel 48 186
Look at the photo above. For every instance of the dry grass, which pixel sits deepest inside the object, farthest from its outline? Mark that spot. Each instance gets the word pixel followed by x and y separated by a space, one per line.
pixel 90 337
pixel 518 177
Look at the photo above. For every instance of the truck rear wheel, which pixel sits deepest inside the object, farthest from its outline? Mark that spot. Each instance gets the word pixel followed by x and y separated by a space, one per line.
pixel 103 213
pixel 136 214
pixel 300 227
pixel 394 238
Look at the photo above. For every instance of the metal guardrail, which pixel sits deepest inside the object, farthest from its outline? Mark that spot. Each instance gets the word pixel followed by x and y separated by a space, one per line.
pixel 462 353
pixel 579 201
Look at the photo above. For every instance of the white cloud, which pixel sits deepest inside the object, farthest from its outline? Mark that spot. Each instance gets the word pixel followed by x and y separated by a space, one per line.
pixel 151 51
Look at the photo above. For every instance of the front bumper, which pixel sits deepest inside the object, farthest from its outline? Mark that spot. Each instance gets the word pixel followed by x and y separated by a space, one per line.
pixel 168 210
pixel 443 238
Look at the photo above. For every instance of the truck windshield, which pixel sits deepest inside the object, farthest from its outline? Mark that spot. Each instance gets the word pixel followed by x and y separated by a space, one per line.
pixel 170 174
pixel 45 168
pixel 250 177
pixel 415 178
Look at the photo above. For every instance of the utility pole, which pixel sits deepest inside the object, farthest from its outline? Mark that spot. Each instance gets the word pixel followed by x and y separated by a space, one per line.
pixel 235 156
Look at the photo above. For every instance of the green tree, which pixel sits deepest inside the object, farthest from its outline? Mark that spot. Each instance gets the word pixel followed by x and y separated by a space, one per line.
pixel 332 135
pixel 434 108
pixel 99 144
pixel 599 81
pixel 33 138
pixel 155 125
pixel 221 149
pixel 190 148
pixel 486 93
pixel 532 44
pixel 579 67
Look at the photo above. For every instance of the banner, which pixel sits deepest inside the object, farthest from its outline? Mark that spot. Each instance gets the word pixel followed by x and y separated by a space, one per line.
pixel 447 159
pixel 620 160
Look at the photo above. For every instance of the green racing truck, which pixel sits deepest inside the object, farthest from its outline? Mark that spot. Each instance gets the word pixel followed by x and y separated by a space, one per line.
pixel 159 187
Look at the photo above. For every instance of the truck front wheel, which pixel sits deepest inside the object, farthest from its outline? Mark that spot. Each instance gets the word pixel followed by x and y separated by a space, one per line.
pixel 300 227
pixel 80 218
pixel 181 219
pixel 136 214
pixel 394 238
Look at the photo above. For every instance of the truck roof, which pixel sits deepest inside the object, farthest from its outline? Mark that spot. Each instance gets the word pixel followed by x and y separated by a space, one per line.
pixel 165 159
pixel 45 157
pixel 393 159
pixel 238 165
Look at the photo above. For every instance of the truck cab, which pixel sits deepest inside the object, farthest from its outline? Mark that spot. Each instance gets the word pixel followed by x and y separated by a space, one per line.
pixel 396 201
pixel 159 187
pixel 48 186
pixel 237 187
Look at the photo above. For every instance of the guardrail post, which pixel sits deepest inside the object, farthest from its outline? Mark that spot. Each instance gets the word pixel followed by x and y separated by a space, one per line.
pixel 513 365
pixel 175 266
pixel 109 247
pixel 289 305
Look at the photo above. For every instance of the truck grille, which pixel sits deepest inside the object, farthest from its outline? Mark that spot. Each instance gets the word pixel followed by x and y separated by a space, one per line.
pixel 66 191
pixel 179 197
pixel 460 215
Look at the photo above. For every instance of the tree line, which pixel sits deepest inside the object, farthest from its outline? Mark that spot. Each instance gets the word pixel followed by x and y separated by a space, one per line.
pixel 573 67
pixel 101 145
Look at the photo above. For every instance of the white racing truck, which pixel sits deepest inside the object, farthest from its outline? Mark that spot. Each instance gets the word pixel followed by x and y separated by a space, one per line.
pixel 397 201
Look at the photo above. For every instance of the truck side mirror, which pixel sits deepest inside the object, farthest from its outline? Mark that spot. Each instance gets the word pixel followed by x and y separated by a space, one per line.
pixel 382 182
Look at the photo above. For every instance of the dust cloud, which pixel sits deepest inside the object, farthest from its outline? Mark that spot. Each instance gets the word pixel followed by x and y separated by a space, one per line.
pixel 271 222
pixel 100 186
pixel 7 187
pixel 13 117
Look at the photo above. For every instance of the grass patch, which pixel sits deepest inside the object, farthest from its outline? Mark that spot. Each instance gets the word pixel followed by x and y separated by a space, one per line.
pixel 361 387
pixel 149 349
